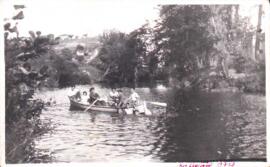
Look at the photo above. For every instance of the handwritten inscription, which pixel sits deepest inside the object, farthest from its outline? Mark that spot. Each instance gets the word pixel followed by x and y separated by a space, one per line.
pixel 203 164
pixel 208 164
pixel 226 164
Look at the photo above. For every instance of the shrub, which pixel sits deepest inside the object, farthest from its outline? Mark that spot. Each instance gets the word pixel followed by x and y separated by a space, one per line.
pixel 22 110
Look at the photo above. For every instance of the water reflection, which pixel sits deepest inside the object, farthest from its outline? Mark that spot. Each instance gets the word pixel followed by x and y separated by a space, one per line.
pixel 214 126
pixel 208 126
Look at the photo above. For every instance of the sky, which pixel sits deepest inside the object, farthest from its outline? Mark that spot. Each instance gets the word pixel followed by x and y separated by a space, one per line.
pixel 81 16
pixel 90 17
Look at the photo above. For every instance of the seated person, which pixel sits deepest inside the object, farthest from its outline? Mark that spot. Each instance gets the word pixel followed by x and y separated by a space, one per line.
pixel 74 92
pixel 120 99
pixel 113 97
pixel 84 97
pixel 93 96
pixel 134 98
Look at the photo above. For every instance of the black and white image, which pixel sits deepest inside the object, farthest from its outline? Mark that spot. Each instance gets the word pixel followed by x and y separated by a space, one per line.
pixel 118 81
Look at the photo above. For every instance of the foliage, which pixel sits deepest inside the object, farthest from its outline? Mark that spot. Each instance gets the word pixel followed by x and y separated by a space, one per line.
pixel 254 80
pixel 183 38
pixel 120 56
pixel 63 69
pixel 193 40
pixel 22 110
pixel 187 43
pixel 68 73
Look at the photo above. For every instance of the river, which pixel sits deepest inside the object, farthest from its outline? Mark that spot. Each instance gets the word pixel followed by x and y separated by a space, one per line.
pixel 207 126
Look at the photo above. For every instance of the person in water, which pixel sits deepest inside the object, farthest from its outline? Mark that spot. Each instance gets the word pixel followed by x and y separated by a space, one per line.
pixel 93 96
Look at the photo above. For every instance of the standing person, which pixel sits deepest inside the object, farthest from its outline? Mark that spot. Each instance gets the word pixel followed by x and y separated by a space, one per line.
pixel 93 96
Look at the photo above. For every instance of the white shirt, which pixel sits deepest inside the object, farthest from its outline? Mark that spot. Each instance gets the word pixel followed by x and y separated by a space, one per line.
pixel 113 94
pixel 73 92
pixel 84 99
pixel 80 53
pixel 134 96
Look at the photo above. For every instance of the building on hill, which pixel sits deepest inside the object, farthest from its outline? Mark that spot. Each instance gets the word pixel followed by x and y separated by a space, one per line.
pixel 65 36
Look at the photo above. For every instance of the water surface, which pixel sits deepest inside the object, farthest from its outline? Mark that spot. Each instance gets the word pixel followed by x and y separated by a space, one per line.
pixel 208 126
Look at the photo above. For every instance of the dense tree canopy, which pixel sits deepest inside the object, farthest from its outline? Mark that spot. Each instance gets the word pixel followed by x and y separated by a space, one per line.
pixel 187 43
pixel 184 39
pixel 120 56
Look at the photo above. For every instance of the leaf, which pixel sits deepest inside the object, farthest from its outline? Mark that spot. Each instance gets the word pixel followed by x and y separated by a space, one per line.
pixel 16 7
pixel 19 16
pixel 7 26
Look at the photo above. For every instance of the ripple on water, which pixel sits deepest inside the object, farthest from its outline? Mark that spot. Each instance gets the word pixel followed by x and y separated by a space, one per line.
pixel 225 126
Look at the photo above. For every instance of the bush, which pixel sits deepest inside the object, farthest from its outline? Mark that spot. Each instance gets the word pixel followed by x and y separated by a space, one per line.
pixel 67 53
pixel 255 83
pixel 67 71
pixel 22 110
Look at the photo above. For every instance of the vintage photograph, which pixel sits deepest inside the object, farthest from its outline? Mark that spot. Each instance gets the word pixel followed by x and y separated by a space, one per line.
pixel 118 81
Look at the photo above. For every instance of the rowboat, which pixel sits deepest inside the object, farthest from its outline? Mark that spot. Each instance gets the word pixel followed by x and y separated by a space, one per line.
pixel 76 105
pixel 141 109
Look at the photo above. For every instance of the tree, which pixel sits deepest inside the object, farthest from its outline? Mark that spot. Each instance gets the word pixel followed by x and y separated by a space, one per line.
pixel 120 57
pixel 258 32
pixel 192 41
pixel 22 110
pixel 183 38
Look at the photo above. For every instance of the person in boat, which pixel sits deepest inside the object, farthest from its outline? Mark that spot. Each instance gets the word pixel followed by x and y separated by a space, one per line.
pixel 134 98
pixel 84 98
pixel 50 102
pixel 93 96
pixel 120 99
pixel 74 92
pixel 114 95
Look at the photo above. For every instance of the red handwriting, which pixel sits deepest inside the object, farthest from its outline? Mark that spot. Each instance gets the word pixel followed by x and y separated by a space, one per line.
pixel 226 164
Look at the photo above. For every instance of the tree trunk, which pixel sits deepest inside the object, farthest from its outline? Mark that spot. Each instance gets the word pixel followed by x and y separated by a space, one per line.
pixel 225 67
pixel 135 76
pixel 235 22
pixel 236 14
pixel 257 43
pixel 105 73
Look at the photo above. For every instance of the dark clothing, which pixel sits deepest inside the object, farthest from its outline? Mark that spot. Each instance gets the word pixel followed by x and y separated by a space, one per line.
pixel 92 97
pixel 120 101
pixel 78 96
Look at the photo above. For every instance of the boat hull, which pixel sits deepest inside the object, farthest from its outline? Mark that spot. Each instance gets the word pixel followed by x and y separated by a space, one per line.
pixel 74 105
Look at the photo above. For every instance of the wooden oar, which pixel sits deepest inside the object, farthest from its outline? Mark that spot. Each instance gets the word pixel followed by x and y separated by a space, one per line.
pixel 90 105
pixel 158 103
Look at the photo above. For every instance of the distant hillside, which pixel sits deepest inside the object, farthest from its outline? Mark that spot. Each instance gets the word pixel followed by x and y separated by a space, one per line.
pixel 65 69
pixel 89 43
